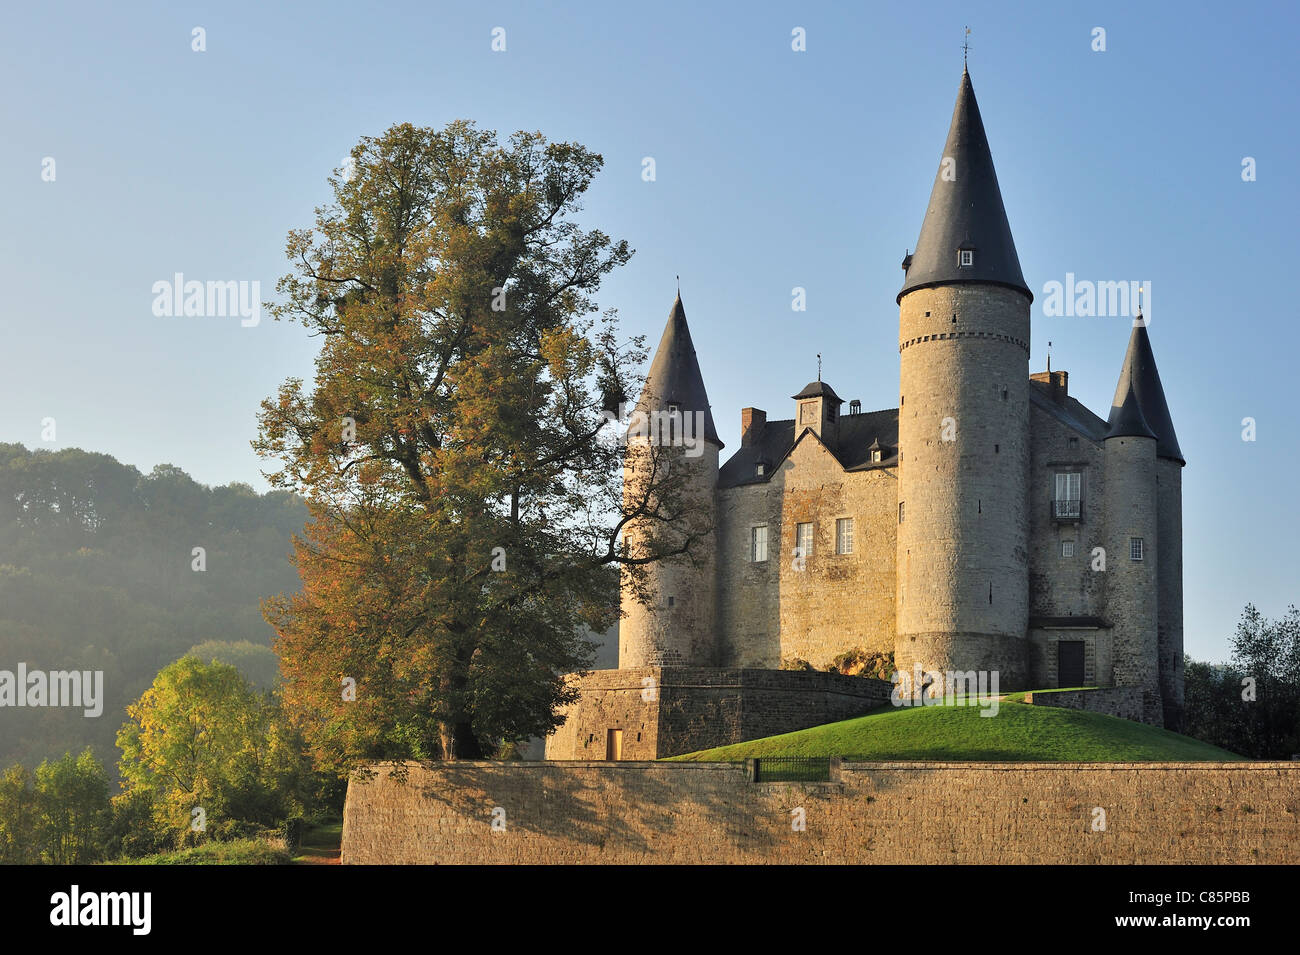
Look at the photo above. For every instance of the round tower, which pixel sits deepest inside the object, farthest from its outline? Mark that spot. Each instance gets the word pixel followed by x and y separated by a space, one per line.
pixel 1132 538
pixel 669 619
pixel 1155 507
pixel 963 594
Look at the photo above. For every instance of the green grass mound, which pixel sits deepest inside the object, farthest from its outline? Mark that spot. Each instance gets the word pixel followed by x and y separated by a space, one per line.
pixel 1018 732
pixel 235 852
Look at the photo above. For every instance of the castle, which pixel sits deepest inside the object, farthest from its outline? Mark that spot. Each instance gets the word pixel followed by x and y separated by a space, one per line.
pixel 990 522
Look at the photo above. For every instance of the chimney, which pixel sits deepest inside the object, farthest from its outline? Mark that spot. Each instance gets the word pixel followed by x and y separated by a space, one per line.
pixel 752 423
pixel 1057 383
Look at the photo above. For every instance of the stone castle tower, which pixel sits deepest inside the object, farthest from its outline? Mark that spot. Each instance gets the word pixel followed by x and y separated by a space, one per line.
pixel 677 628
pixel 989 523
pixel 963 423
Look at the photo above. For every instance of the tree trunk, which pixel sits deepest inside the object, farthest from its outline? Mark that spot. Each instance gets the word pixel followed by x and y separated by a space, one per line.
pixel 458 741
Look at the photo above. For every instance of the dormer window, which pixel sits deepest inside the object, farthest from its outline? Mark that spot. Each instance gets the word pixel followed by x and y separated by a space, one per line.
pixel 877 456
pixel 966 258
pixel 760 469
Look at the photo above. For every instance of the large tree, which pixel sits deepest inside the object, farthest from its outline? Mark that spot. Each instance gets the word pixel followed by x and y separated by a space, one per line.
pixel 455 449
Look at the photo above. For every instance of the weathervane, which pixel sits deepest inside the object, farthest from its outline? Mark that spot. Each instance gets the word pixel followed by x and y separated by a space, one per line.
pixel 965 48
pixel 819 366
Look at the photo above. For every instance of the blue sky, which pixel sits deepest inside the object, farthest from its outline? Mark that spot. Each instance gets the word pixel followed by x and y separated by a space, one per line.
pixel 774 169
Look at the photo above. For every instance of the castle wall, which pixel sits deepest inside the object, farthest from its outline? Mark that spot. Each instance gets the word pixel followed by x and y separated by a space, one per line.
pixel 1132 585
pixel 678 626
pixel 772 611
pixel 673 710
pixel 1169 573
pixel 1124 702
pixel 962 555
pixel 1098 655
pixel 885 813
pixel 1064 586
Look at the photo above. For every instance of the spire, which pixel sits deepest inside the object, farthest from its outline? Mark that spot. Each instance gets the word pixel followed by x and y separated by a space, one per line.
pixel 965 212
pixel 1140 379
pixel 675 373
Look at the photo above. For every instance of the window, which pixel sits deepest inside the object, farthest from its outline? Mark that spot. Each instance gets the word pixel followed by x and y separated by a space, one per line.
pixel 672 601
pixel 1067 548
pixel 967 258
pixel 803 539
pixel 1068 485
pixel 1066 500
pixel 844 535
pixel 1135 548
pixel 900 512
pixel 760 469
pixel 876 456
pixel 758 543
pixel 808 412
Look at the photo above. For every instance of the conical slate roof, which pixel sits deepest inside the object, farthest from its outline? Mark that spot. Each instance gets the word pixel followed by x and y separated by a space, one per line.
pixel 1140 376
pixel 675 374
pixel 965 212
pixel 1126 419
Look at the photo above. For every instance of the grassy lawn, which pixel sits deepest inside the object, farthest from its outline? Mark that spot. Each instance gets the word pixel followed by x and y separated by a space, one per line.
pixel 320 844
pixel 1018 732
pixel 235 852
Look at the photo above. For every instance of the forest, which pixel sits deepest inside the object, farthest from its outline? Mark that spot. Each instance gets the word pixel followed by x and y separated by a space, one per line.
pixel 98 572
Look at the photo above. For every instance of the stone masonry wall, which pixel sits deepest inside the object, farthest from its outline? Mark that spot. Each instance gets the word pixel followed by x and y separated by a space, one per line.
pixel 770 610
pixel 1169 619
pixel 1065 586
pixel 1132 597
pixel 1122 701
pixel 673 710
pixel 963 418
pixel 677 628
pixel 887 813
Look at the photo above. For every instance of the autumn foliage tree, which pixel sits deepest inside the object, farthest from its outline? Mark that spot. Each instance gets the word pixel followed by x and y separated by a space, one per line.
pixel 463 483
pixel 201 738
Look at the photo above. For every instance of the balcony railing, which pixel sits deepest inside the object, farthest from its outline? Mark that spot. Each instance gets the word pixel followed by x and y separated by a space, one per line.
pixel 1067 510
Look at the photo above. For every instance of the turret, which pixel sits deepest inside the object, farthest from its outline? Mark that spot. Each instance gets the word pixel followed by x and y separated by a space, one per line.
pixel 1162 507
pixel 677 625
pixel 1132 547
pixel 818 408
pixel 964 423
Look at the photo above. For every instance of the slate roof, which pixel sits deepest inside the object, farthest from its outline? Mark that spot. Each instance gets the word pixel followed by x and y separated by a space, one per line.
pixel 1140 374
pixel 965 211
pixel 1126 417
pixel 818 389
pixel 675 374
pixel 852 450
pixel 1069 411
